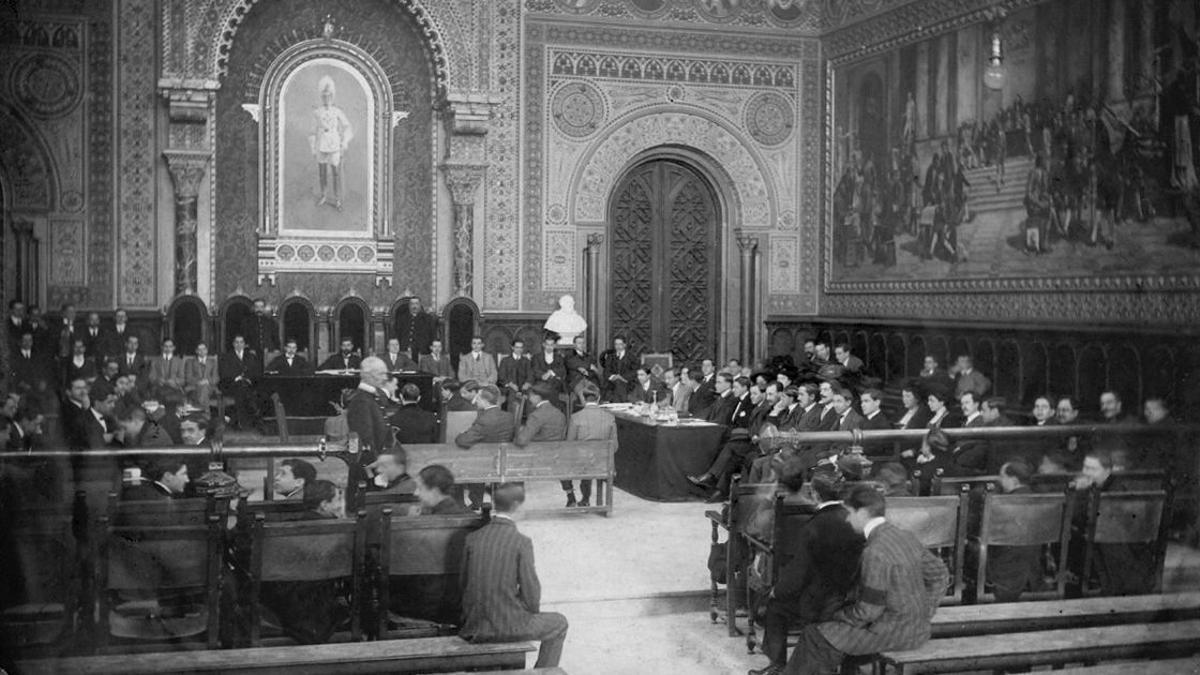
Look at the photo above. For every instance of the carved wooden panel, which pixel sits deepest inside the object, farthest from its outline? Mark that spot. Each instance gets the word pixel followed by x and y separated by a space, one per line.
pixel 664 262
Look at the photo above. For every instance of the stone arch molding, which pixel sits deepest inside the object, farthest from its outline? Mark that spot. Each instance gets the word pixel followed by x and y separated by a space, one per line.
pixel 211 30
pixel 30 175
pixel 605 161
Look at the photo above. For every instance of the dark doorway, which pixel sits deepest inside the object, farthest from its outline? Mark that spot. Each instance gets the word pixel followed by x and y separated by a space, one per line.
pixel 665 254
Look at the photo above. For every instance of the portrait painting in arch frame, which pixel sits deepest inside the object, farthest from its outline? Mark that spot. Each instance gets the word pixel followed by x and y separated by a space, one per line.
pixel 325 141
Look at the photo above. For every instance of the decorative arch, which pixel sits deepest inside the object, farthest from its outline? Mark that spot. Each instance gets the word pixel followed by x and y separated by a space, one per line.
pixel 753 199
pixel 350 317
pixel 31 179
pixel 399 306
pixel 451 67
pixel 460 323
pixel 187 323
pixel 297 318
pixel 232 315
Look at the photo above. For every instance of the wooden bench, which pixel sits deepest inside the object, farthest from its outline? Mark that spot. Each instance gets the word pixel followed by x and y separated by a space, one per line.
pixel 1008 617
pixel 542 461
pixel 1185 666
pixel 1050 647
pixel 418 655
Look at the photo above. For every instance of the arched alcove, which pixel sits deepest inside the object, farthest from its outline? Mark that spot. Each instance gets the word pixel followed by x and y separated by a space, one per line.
pixel 351 318
pixel 187 323
pixel 235 312
pixel 298 320
pixel 460 325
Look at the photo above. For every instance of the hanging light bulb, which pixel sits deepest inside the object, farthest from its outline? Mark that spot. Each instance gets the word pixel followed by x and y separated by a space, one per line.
pixel 993 72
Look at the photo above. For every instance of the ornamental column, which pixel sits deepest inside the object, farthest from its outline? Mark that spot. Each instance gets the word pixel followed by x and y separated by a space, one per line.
pixel 463 181
pixel 747 245
pixel 187 169
pixel 592 270
pixel 189 109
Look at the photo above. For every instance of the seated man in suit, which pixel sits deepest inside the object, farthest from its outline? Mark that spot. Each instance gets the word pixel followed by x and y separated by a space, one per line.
pixel 453 397
pixel 291 477
pixel 619 366
pixel 289 362
pixel 396 359
pixel 899 584
pixel 131 361
pixel 413 424
pixel 162 478
pixel 871 402
pixel 514 374
pixel 344 359
pixel 435 489
pixel 436 363
pixel 547 365
pixel 737 445
pixel 201 378
pixel 501 591
pixel 545 422
pixel 391 474
pixel 815 573
pixel 646 389
pixel 589 423
pixel 167 371
pixel 581 366
pixel 239 371
pixel 78 364
pixel 477 364
pixel 491 425
pixel 681 391
pixel 721 411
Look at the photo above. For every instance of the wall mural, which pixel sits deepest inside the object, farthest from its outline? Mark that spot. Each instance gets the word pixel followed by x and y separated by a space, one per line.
pixel 1078 169
pixel 325 142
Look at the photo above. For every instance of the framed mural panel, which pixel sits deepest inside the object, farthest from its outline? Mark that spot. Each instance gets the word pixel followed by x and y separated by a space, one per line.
pixel 324 140
pixel 326 127
pixel 1063 178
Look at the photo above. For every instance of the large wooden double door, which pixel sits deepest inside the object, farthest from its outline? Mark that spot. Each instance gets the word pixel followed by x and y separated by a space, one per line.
pixel 665 256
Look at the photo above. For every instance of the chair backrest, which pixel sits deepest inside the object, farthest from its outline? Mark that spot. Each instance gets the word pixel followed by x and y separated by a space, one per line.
pixel 428 545
pixel 1128 517
pixel 1023 520
pixel 166 512
pixel 746 502
pixel 401 504
pixel 458 421
pixel 939 523
pixel 935 520
pixel 952 486
pixel 273 511
pixel 790 519
pixel 1125 481
pixel 307 550
pixel 153 557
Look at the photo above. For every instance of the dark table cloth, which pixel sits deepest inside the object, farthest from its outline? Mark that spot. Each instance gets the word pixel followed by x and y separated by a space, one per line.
pixel 310 395
pixel 653 461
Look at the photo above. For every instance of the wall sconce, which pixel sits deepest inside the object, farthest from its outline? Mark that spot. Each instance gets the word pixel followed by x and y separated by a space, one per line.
pixel 994 72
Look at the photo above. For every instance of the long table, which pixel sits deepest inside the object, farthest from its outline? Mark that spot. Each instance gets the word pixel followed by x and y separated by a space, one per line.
pixel 653 460
pixel 311 395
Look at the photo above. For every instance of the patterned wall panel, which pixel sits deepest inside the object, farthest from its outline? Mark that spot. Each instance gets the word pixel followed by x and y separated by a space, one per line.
pixel 136 154
pixel 501 287
pixel 560 258
pixel 66 253
pixel 393 39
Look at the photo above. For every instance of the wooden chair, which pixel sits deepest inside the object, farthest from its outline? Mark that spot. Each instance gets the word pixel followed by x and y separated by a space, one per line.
pixel 790 517
pixel 940 523
pixel 1022 520
pixel 744 503
pixel 47 560
pixel 139 565
pixel 1133 479
pixel 1130 518
pixel 429 548
pixel 306 551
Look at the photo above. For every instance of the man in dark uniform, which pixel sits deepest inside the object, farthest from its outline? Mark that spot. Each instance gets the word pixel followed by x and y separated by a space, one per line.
pixel 261 331
pixel 413 424
pixel 416 329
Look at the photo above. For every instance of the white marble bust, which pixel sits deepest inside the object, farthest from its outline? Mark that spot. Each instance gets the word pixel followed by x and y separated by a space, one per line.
pixel 566 321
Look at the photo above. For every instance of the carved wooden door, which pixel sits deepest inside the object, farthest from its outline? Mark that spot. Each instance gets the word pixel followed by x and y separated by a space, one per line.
pixel 664 262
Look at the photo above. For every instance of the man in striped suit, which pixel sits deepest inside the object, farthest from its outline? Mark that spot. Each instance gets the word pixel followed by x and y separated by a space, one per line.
pixel 899 585
pixel 501 592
